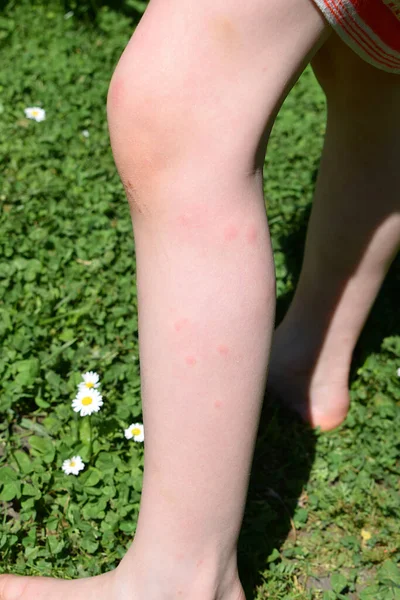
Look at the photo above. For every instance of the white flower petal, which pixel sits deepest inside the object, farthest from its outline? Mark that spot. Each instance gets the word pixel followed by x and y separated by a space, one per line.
pixel 73 465
pixel 36 113
pixel 87 401
pixel 90 380
pixel 128 433
pixel 135 431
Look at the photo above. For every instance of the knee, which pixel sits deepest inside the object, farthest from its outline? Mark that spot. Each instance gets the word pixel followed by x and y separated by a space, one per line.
pixel 163 123
pixel 199 96
pixel 141 140
pixel 157 135
pixel 161 134
pixel 171 112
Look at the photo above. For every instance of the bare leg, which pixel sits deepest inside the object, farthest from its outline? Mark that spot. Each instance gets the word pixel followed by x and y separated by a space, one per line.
pixel 353 235
pixel 190 108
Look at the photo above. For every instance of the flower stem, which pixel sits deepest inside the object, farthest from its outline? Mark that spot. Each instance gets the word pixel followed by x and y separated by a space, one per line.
pixel 90 437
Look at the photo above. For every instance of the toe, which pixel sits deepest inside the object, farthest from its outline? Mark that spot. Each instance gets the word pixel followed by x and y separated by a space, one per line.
pixel 12 587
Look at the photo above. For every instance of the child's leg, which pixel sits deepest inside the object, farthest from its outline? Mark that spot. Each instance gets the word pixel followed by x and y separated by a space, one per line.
pixel 353 235
pixel 190 107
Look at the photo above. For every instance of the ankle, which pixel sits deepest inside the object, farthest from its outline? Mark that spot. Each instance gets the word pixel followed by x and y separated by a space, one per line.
pixel 171 574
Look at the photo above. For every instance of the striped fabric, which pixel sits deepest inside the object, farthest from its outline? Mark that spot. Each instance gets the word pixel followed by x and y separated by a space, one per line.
pixel 370 27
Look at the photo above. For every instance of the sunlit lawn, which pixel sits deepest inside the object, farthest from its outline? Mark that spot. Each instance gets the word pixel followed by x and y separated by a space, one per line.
pixel 323 510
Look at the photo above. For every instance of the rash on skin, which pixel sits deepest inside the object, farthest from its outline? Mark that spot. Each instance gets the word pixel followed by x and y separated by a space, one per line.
pixel 196 216
pixel 222 349
pixel 230 233
pixel 191 361
pixel 251 234
pixel 218 404
pixel 180 324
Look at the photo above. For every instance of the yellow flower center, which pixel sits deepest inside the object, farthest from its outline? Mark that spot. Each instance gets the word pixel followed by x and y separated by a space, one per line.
pixel 89 384
pixel 72 463
pixel 35 113
pixel 87 400
pixel 136 431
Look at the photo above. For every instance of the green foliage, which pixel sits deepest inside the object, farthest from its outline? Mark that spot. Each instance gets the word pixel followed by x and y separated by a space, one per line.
pixel 67 299
pixel 91 8
pixel 68 305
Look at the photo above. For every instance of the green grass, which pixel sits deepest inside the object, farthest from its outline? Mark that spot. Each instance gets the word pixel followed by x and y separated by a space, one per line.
pixel 323 509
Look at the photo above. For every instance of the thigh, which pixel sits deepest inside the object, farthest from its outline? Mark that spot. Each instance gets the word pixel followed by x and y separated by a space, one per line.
pixel 215 66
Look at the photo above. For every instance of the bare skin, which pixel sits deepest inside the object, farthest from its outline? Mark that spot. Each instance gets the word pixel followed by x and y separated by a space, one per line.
pixel 202 240
pixel 353 236
pixel 190 108
pixel 14 588
pixel 124 583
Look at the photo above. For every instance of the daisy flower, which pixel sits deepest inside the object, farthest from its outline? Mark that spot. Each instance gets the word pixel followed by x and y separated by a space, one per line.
pixel 135 431
pixel 85 133
pixel 73 465
pixel 35 113
pixel 90 380
pixel 87 401
pixel 398 372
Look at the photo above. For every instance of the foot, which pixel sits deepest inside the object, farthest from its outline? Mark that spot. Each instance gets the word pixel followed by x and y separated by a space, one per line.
pixel 116 585
pixel 13 587
pixel 311 382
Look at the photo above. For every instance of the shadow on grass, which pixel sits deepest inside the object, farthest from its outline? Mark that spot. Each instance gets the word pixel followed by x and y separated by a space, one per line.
pixel 88 9
pixel 283 458
pixel 285 448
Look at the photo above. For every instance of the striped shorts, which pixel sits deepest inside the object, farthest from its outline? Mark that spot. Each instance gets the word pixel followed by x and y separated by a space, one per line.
pixel 370 27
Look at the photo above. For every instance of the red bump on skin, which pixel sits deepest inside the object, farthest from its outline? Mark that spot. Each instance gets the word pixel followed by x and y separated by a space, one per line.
pixel 190 360
pixel 217 404
pixel 183 220
pixel 251 234
pixel 194 217
pixel 180 324
pixel 223 349
pixel 230 233
pixel 199 562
